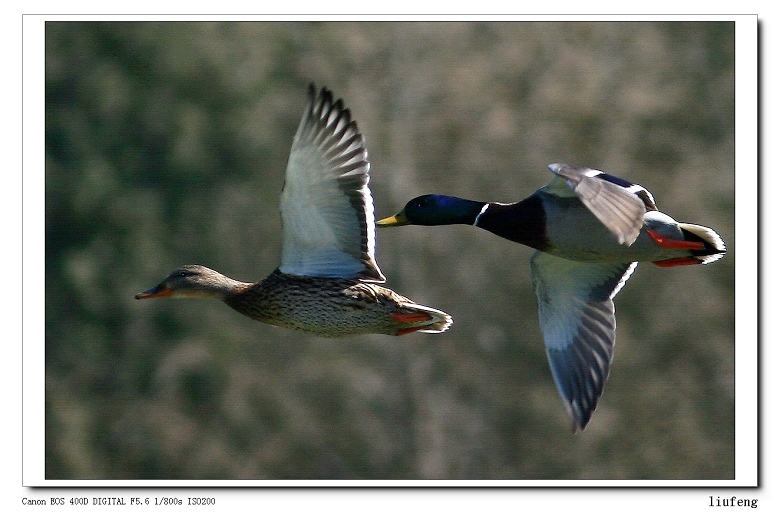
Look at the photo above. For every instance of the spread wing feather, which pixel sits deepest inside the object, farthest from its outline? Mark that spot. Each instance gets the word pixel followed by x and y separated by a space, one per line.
pixel 577 318
pixel 326 205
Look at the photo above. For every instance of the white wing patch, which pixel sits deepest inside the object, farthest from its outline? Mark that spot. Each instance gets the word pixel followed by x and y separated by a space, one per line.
pixel 326 205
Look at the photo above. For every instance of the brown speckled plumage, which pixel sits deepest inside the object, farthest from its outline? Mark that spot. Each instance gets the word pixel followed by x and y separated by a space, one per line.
pixel 329 307
pixel 328 281
pixel 323 306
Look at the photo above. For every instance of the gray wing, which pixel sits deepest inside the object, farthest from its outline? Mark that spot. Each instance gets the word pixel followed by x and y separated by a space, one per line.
pixel 327 209
pixel 577 319
pixel 619 205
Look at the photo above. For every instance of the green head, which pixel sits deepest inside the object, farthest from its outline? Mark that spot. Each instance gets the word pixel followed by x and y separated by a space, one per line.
pixel 435 210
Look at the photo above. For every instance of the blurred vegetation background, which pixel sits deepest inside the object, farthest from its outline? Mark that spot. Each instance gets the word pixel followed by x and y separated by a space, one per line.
pixel 166 144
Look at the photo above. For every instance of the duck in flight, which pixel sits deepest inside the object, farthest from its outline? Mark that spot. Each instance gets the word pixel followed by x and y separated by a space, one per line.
pixel 589 230
pixel 328 282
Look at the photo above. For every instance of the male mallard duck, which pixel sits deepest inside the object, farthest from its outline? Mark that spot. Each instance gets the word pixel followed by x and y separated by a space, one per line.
pixel 590 229
pixel 328 281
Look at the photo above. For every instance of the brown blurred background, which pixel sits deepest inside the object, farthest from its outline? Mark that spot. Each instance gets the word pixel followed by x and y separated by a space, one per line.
pixel 166 145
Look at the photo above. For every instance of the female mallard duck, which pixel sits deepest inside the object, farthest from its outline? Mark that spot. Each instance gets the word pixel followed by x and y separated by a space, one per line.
pixel 590 229
pixel 328 281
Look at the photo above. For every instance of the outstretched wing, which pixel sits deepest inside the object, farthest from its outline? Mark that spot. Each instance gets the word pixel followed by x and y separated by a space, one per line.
pixel 326 205
pixel 619 205
pixel 577 318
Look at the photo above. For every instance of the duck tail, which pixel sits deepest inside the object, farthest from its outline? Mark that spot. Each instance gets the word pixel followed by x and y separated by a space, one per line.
pixel 714 248
pixel 414 317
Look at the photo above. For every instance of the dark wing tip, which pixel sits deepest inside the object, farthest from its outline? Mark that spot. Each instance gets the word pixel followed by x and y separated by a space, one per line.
pixel 327 127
